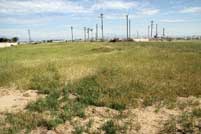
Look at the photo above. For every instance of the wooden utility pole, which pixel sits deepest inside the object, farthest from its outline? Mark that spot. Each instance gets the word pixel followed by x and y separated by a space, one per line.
pixel 72 33
pixel 127 27
pixel 101 16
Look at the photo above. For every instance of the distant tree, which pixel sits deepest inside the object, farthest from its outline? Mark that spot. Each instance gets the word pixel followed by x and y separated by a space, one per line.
pixel 4 40
pixel 15 39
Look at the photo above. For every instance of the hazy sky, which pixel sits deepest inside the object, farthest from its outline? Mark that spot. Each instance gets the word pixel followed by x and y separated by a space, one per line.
pixel 51 19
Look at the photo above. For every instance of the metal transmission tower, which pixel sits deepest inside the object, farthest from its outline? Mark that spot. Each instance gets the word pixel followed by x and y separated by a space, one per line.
pixel 127 27
pixel 96 32
pixel 152 26
pixel 148 32
pixel 101 16
pixel 85 30
pixel 156 31
pixel 29 35
pixel 72 34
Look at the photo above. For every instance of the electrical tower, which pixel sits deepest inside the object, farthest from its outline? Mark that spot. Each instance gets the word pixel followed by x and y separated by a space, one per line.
pixel 72 34
pixel 101 16
pixel 29 35
pixel 152 26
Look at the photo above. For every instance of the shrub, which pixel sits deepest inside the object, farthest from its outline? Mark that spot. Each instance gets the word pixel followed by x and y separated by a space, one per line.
pixel 109 127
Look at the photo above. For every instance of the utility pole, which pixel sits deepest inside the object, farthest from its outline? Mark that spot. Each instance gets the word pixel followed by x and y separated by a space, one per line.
pixel 101 16
pixel 96 32
pixel 88 29
pixel 72 33
pixel 29 35
pixel 148 34
pixel 91 34
pixel 163 32
pixel 152 26
pixel 156 30
pixel 127 27
pixel 137 35
pixel 85 33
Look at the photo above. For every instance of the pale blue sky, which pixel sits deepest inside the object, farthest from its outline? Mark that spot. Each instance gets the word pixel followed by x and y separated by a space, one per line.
pixel 51 19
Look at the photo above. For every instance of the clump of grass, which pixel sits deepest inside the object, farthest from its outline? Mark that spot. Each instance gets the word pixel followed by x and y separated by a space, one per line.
pixel 78 130
pixel 46 81
pixel 104 89
pixel 196 112
pixel 50 103
pixel 105 49
pixel 188 122
pixel 14 123
pixel 109 127
pixel 170 127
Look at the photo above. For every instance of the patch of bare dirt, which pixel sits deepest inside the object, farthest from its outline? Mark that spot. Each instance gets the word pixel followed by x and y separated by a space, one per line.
pixel 12 100
pixel 132 121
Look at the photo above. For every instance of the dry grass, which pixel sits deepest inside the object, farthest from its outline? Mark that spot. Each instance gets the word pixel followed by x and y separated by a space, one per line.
pixel 115 75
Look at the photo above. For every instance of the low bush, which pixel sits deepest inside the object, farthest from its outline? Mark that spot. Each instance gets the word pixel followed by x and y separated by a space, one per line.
pixel 109 127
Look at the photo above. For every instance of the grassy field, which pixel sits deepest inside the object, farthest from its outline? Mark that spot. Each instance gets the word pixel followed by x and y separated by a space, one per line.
pixel 115 75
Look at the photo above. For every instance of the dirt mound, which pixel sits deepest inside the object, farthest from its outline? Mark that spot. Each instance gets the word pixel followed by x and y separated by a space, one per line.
pixel 12 100
pixel 132 121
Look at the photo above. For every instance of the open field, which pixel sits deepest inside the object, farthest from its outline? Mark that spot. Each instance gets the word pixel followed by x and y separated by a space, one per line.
pixel 124 87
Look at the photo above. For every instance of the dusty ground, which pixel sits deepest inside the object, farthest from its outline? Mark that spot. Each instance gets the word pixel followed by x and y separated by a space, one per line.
pixel 147 120
pixel 12 100
pixel 132 121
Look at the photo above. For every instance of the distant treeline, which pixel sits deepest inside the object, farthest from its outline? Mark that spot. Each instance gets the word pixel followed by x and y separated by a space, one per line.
pixel 14 39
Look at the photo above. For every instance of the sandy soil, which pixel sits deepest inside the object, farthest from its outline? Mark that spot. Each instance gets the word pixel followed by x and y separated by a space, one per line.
pixel 12 100
pixel 137 121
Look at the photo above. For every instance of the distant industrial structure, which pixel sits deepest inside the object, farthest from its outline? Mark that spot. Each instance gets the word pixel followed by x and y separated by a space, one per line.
pixel 152 33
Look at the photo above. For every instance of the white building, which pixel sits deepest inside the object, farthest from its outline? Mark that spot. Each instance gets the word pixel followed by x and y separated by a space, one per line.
pixel 141 40
pixel 8 44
